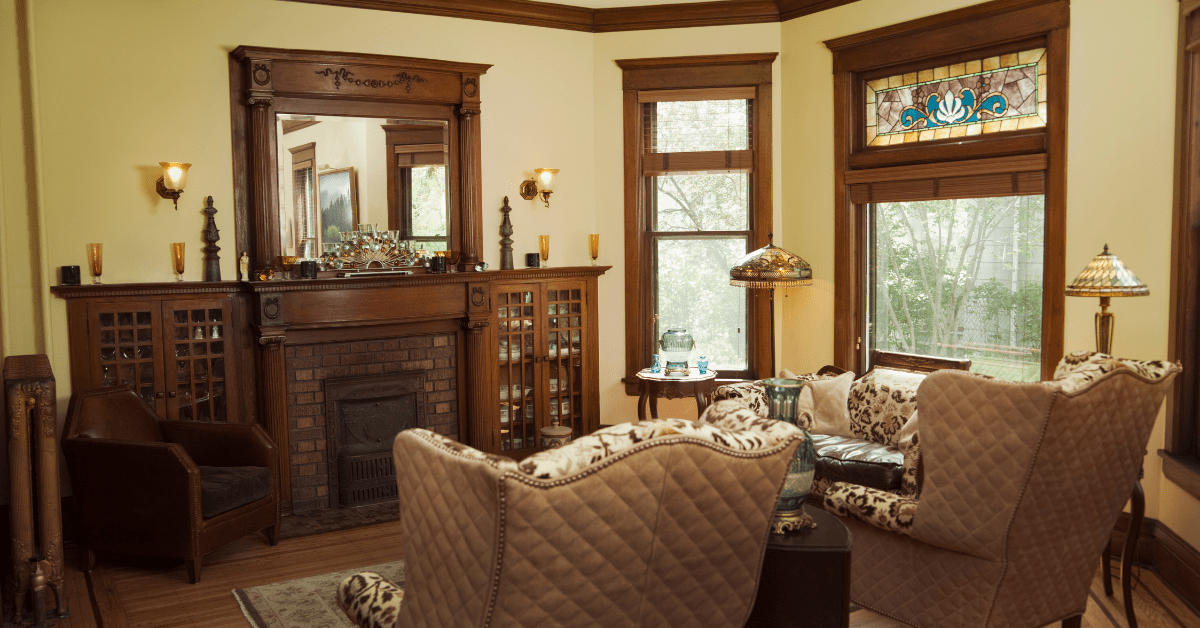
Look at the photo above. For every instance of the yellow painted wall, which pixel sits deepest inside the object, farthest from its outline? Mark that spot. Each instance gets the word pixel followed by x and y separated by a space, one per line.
pixel 615 405
pixel 125 85
pixel 100 91
pixel 1120 160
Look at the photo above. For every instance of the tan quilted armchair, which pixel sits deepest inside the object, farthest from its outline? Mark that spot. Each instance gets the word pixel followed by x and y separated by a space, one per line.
pixel 1022 484
pixel 658 523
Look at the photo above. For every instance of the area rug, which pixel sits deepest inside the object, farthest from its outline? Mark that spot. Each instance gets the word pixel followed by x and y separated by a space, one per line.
pixel 305 602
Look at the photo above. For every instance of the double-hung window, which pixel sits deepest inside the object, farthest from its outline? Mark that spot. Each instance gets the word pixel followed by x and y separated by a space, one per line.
pixel 951 190
pixel 695 204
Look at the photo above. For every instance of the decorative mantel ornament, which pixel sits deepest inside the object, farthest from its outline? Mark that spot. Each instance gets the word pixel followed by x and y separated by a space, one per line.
pixel 506 242
pixel 212 262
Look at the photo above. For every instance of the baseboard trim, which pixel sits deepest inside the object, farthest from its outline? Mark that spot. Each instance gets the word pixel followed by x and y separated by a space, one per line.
pixel 1175 561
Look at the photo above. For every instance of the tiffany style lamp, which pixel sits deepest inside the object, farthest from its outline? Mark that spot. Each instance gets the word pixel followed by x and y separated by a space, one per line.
pixel 1106 277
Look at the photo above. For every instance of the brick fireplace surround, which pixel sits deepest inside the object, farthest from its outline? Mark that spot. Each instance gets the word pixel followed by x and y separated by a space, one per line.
pixel 308 366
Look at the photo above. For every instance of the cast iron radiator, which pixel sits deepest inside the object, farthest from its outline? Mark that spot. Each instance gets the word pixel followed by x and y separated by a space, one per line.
pixel 35 518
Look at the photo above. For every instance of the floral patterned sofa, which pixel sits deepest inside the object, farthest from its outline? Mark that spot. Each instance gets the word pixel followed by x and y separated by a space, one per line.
pixel 880 403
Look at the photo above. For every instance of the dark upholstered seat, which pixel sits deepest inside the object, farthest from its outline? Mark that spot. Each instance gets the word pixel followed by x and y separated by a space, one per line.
pixel 180 489
pixel 224 488
pixel 847 459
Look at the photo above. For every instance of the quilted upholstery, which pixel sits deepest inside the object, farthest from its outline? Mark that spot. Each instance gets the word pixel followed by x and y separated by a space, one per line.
pixel 669 532
pixel 1022 485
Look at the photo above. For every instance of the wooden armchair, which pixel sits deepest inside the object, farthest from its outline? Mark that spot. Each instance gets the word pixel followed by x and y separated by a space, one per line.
pixel 178 489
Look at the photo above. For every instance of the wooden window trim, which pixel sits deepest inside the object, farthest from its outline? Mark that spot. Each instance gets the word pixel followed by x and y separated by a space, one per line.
pixel 935 39
pixel 716 72
pixel 1181 457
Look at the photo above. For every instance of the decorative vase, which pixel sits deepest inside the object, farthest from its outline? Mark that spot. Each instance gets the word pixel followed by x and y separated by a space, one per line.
pixel 782 396
pixel 703 364
pixel 676 344
pixel 657 366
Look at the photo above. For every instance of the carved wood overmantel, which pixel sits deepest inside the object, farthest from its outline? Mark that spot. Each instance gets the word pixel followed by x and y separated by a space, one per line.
pixel 268 81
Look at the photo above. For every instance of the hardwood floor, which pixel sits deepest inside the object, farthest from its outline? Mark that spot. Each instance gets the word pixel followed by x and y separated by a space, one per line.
pixel 138 593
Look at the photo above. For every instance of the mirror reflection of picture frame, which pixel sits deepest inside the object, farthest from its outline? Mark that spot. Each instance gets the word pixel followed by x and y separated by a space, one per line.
pixel 338 194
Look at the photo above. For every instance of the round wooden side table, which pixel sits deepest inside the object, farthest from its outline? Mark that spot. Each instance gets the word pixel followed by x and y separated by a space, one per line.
pixel 655 385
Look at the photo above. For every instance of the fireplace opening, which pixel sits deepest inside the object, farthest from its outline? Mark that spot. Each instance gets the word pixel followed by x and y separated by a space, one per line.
pixel 363 416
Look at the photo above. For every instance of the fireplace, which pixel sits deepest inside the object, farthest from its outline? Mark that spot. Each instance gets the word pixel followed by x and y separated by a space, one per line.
pixel 362 416
pixel 414 377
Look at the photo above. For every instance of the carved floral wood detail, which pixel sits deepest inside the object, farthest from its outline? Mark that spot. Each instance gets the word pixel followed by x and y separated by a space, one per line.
pixel 342 74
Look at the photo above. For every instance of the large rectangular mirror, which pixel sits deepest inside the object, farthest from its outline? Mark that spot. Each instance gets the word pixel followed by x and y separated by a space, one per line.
pixel 337 173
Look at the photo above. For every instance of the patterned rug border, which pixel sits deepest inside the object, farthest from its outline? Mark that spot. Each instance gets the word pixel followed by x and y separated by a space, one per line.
pixel 297 593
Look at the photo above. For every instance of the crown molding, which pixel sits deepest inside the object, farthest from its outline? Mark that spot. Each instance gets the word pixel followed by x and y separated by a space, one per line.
pixel 618 19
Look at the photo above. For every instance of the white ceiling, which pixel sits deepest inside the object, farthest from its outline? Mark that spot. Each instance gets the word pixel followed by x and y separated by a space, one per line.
pixel 608 4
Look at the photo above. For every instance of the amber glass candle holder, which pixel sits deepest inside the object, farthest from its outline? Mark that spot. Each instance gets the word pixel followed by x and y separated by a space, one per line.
pixel 96 260
pixel 544 249
pixel 177 259
pixel 594 246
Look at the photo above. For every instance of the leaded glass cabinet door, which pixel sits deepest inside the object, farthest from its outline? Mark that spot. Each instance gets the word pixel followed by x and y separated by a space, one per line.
pixel 519 358
pixel 196 361
pixel 565 324
pixel 124 340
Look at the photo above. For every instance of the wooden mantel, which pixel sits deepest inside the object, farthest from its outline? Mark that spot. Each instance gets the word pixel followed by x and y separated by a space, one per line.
pixel 268 316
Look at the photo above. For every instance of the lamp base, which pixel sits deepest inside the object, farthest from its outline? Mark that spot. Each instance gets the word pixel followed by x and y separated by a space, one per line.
pixel 166 192
pixel 529 189
pixel 1105 323
pixel 791 521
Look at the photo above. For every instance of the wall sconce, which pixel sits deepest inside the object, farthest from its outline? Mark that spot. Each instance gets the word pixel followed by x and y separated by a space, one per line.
pixel 174 178
pixel 543 180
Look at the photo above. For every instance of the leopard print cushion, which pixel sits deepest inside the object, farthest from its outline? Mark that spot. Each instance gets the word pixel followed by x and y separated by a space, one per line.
pixel 741 431
pixel 370 600
pixel 503 463
pixel 881 402
pixel 751 393
pixel 881 509
pixel 754 394
pixel 1076 371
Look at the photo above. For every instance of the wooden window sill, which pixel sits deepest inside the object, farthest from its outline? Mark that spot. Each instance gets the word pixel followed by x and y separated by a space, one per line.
pixel 1184 471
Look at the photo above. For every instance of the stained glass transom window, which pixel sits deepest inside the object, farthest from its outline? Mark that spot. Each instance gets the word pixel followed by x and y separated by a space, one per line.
pixel 1000 93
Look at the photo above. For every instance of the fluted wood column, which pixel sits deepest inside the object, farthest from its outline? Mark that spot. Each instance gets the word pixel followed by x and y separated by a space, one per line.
pixel 260 145
pixel 272 402
pixel 480 392
pixel 472 193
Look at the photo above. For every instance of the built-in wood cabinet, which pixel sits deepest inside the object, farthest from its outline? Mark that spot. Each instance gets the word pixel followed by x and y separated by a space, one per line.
pixel 177 349
pixel 544 346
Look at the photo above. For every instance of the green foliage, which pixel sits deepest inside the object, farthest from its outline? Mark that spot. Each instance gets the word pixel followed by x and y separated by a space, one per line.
pixel 961 278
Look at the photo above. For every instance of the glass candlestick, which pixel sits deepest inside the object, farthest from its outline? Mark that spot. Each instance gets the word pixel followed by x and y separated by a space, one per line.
pixel 544 249
pixel 594 246
pixel 177 259
pixel 96 260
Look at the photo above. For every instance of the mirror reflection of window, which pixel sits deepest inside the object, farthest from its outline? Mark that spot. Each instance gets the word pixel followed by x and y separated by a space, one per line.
pixel 393 173
pixel 424 206
pixel 305 236
pixel 418 205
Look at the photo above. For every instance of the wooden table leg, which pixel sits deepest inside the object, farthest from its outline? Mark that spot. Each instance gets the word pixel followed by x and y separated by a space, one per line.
pixel 700 404
pixel 1137 510
pixel 642 401
pixel 654 404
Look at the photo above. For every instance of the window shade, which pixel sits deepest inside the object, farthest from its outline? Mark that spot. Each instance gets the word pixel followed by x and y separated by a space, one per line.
pixel 972 186
pixel 654 164
pixel 420 155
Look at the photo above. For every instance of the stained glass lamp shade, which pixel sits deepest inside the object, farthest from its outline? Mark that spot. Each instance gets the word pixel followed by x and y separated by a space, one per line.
pixel 1105 277
pixel 771 267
